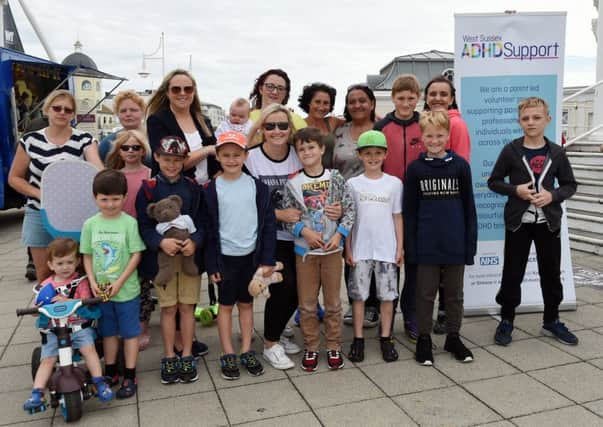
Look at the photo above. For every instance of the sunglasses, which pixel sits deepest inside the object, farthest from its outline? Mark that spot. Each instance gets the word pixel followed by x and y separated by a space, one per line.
pixel 179 89
pixel 59 108
pixel 271 88
pixel 130 148
pixel 273 125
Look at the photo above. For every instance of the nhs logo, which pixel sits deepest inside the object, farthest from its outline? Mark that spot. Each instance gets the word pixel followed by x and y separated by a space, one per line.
pixel 488 260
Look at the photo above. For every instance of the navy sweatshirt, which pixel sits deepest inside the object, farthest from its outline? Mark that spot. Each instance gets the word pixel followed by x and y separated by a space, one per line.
pixel 440 221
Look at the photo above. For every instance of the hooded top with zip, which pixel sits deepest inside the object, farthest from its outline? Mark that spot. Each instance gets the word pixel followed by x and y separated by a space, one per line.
pixel 265 246
pixel 403 143
pixel 512 163
pixel 440 221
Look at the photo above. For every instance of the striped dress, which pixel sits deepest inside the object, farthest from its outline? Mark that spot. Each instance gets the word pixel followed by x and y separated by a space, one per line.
pixel 42 153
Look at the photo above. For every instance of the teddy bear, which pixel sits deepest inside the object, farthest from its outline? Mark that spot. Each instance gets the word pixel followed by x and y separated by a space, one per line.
pixel 259 284
pixel 171 224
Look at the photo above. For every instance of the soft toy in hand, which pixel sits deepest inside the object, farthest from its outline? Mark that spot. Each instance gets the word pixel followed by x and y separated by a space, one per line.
pixel 171 224
pixel 259 284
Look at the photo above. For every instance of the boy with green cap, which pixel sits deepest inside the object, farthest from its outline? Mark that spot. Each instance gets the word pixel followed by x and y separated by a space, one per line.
pixel 375 244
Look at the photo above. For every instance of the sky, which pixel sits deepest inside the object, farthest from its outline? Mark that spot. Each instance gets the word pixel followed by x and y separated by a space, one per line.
pixel 232 42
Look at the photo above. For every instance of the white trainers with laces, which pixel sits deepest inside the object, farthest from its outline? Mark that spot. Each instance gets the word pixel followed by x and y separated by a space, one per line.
pixel 289 346
pixel 276 356
pixel 288 332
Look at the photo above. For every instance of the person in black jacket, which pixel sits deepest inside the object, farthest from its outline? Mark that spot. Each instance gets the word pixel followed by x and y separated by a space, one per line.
pixel 175 110
pixel 239 241
pixel 533 213
pixel 440 227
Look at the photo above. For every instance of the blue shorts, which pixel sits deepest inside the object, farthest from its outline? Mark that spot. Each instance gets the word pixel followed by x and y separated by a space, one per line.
pixel 120 318
pixel 33 233
pixel 82 338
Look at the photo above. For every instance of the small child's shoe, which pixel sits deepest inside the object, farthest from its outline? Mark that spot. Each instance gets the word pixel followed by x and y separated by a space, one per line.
pixel 128 388
pixel 411 331
pixel 388 350
pixel 356 353
pixel 36 403
pixel 103 391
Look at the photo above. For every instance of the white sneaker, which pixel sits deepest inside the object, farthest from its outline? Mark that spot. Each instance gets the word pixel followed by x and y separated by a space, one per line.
pixel 288 332
pixel 289 346
pixel 276 356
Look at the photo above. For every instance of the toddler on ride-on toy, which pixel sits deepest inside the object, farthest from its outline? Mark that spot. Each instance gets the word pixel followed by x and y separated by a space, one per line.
pixel 63 260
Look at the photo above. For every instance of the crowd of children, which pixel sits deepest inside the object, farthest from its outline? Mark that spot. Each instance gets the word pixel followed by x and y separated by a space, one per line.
pixel 412 206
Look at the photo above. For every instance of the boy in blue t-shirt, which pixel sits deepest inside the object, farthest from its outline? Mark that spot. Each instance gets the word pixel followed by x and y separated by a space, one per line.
pixel 239 240
pixel 112 250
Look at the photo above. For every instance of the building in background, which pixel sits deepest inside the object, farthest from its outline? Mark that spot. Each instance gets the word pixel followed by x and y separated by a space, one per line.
pixel 577 113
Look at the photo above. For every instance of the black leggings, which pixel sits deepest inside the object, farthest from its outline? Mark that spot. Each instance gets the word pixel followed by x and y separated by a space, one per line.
pixel 283 296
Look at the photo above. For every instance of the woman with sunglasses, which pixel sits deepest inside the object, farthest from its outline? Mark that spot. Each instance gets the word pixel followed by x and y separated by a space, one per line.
pixel 36 150
pixel 129 107
pixel 271 87
pixel 175 110
pixel 318 100
pixel 359 114
pixel 272 162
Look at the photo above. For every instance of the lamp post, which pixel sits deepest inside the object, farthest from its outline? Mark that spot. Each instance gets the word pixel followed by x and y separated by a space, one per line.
pixel 158 54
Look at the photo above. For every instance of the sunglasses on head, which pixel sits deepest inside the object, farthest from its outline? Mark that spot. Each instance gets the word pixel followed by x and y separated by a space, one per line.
pixel 130 147
pixel 179 89
pixel 59 108
pixel 273 125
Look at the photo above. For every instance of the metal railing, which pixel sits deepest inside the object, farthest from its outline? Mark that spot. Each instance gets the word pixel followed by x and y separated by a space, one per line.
pixel 594 129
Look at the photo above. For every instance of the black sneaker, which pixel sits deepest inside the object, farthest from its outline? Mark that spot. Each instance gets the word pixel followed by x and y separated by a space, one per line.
pixel 559 331
pixel 371 317
pixel 30 271
pixel 198 350
pixel 439 327
pixel 502 336
pixel 388 350
pixel 169 370
pixel 356 353
pixel 188 370
pixel 424 354
pixel 455 346
pixel 251 363
pixel 228 364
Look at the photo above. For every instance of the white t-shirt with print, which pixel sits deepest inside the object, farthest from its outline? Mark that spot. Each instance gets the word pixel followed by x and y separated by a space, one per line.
pixel 374 235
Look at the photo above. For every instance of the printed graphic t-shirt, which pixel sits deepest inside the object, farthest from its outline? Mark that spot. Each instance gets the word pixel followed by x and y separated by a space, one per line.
pixel 376 201
pixel 274 174
pixel 111 242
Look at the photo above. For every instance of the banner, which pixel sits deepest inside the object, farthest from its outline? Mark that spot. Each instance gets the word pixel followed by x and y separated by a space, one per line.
pixel 11 35
pixel 499 60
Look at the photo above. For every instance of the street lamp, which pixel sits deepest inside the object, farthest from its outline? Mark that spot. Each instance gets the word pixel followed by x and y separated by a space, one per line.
pixel 158 54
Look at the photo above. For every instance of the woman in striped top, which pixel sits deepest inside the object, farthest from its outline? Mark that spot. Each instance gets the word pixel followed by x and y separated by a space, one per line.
pixel 36 150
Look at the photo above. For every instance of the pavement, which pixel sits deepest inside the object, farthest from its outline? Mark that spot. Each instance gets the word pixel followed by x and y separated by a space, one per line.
pixel 534 382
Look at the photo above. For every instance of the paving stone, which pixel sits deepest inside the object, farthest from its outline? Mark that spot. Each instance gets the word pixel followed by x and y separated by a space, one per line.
pixel 26 334
pixel 11 408
pixel 497 424
pixel 372 352
pixel 114 417
pixel 590 345
pixel 599 330
pixel 151 388
pixel 192 410
pixel 596 407
pixel 5 335
pixel 405 377
pixel 344 386
pixel 531 324
pixel 476 319
pixel 597 362
pixel 485 365
pixel 150 359
pixel 374 413
pixel 15 378
pixel 8 320
pixel 445 407
pixel 589 295
pixel 560 417
pixel 516 395
pixel 270 374
pixel 264 400
pixel 590 316
pixel 531 354
pixel 482 333
pixel 580 382
pixel 18 354
pixel 303 419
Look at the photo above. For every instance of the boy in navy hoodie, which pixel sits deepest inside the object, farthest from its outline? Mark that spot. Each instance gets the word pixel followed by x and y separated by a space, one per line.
pixel 239 240
pixel 441 233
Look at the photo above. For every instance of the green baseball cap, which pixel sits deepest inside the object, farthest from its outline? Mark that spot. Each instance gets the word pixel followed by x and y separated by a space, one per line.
pixel 371 138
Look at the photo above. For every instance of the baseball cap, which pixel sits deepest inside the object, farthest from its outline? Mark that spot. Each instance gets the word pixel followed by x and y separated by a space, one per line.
pixel 172 145
pixel 371 138
pixel 232 137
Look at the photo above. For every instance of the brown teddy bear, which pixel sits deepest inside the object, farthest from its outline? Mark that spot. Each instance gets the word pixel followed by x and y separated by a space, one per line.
pixel 259 284
pixel 170 224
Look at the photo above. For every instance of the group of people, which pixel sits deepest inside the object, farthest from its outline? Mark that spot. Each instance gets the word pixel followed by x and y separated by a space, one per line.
pixel 321 198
